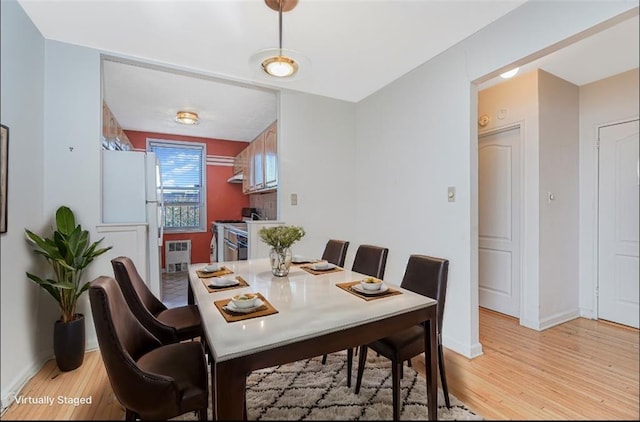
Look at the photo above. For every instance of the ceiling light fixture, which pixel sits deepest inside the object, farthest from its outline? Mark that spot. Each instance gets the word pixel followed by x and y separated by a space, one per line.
pixel 509 74
pixel 279 62
pixel 187 118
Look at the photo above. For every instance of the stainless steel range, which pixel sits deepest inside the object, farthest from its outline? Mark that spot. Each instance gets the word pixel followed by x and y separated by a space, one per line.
pixel 229 237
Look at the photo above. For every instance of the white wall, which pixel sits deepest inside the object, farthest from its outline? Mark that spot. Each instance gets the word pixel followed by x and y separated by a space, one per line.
pixel 559 158
pixel 27 312
pixel 609 100
pixel 429 115
pixel 316 147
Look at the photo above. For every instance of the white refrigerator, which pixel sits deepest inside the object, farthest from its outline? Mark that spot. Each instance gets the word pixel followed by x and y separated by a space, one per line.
pixel 132 194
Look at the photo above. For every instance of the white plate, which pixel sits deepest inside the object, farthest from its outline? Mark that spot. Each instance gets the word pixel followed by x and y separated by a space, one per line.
pixel 329 266
pixel 358 288
pixel 210 268
pixel 222 282
pixel 233 308
pixel 298 259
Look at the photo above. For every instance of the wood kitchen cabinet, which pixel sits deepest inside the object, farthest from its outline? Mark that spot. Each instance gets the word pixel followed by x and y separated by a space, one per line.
pixel 271 156
pixel 261 162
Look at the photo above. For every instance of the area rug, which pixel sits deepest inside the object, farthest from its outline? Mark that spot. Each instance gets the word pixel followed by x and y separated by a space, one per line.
pixel 309 390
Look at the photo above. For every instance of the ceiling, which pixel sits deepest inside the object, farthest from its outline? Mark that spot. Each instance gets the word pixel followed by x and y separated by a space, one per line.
pixel 207 45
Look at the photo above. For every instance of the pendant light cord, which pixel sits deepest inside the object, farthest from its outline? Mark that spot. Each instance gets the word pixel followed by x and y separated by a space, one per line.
pixel 280 22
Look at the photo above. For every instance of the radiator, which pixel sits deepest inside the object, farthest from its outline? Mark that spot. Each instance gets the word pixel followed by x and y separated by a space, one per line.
pixel 177 255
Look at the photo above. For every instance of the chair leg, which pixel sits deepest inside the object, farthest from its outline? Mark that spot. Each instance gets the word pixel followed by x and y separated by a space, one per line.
pixel 443 376
pixel 362 360
pixel 202 414
pixel 324 359
pixel 130 415
pixel 349 366
pixel 396 368
pixel 409 363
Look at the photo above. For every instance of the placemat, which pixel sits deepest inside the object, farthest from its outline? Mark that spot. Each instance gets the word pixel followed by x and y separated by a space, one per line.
pixel 347 288
pixel 242 283
pixel 220 272
pixel 310 270
pixel 266 309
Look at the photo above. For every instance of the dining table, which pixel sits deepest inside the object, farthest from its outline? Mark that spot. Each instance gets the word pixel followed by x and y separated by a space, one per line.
pixel 303 315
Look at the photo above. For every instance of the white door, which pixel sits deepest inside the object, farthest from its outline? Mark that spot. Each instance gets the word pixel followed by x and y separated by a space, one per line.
pixel 499 220
pixel 619 178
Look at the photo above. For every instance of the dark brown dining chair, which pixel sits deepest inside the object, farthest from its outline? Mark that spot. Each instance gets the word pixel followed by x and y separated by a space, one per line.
pixel 369 260
pixel 151 380
pixel 335 252
pixel 169 325
pixel 427 276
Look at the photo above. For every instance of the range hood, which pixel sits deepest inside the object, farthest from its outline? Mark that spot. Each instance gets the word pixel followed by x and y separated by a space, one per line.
pixel 236 178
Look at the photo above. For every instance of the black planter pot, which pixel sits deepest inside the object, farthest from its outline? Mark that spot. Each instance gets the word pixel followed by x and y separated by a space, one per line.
pixel 68 343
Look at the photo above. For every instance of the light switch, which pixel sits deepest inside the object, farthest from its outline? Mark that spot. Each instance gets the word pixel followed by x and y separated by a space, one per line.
pixel 451 194
pixel 294 199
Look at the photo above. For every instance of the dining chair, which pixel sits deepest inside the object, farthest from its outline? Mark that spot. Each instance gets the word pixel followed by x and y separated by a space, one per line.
pixel 335 252
pixel 169 325
pixel 370 260
pixel 150 380
pixel 427 276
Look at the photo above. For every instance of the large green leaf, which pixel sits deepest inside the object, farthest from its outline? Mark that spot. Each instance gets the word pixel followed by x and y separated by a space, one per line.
pixel 65 220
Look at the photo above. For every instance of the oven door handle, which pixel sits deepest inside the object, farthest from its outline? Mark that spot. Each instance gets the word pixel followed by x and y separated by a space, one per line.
pixel 230 245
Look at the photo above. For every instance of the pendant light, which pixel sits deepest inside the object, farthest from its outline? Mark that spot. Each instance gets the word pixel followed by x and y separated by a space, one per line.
pixel 279 63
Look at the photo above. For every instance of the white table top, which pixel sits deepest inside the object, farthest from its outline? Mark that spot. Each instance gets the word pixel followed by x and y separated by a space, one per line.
pixel 309 306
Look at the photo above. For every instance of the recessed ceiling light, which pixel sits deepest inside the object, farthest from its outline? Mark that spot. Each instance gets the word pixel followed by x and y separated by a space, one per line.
pixel 187 118
pixel 510 74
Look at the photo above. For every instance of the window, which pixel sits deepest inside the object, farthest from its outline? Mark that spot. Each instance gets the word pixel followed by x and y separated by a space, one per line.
pixel 183 170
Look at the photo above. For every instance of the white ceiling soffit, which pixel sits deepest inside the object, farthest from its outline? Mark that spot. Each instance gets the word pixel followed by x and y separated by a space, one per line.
pixel 147 100
pixel 601 55
pixel 345 41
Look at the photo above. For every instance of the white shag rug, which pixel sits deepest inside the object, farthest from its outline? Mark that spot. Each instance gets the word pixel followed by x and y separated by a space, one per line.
pixel 309 390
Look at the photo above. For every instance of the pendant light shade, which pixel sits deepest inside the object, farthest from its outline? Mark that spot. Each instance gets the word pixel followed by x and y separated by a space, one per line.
pixel 279 62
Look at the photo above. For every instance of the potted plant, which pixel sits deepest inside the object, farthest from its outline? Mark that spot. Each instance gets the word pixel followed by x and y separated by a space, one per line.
pixel 69 253
pixel 280 238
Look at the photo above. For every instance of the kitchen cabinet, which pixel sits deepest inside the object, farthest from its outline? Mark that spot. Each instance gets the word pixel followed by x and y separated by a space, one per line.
pixel 261 162
pixel 271 157
pixel 256 173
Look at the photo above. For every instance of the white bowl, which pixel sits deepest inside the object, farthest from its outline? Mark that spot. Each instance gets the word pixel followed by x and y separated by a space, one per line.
pixel 211 268
pixel 321 265
pixel 371 283
pixel 245 300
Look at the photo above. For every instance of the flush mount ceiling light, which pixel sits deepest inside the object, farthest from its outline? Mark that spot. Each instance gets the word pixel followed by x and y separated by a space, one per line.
pixel 187 118
pixel 278 62
pixel 509 74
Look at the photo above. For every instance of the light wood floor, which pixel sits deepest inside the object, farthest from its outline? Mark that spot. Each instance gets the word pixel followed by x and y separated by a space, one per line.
pixel 582 369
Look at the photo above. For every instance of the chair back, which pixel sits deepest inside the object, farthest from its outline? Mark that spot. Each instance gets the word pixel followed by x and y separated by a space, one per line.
pixel 134 289
pixel 335 252
pixel 370 260
pixel 122 340
pixel 427 276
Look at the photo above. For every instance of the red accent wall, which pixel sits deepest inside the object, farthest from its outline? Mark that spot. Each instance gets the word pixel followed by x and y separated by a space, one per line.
pixel 224 200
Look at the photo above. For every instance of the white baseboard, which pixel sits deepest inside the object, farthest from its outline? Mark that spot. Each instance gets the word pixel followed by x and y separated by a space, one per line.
pixel 551 321
pixel 468 350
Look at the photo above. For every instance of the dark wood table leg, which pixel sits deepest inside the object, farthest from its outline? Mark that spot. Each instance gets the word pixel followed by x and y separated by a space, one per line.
pixel 231 381
pixel 431 361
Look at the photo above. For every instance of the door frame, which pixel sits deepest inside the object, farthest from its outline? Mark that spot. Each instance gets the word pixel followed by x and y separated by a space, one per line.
pixel 596 226
pixel 520 124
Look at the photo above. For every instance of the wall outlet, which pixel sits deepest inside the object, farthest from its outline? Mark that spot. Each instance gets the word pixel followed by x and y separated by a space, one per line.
pixel 294 199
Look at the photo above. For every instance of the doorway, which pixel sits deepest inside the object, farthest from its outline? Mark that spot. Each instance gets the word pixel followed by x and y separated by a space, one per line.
pixel 618 182
pixel 499 205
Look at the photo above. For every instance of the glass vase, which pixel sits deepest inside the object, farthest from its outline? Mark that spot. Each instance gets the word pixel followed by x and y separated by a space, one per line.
pixel 280 261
